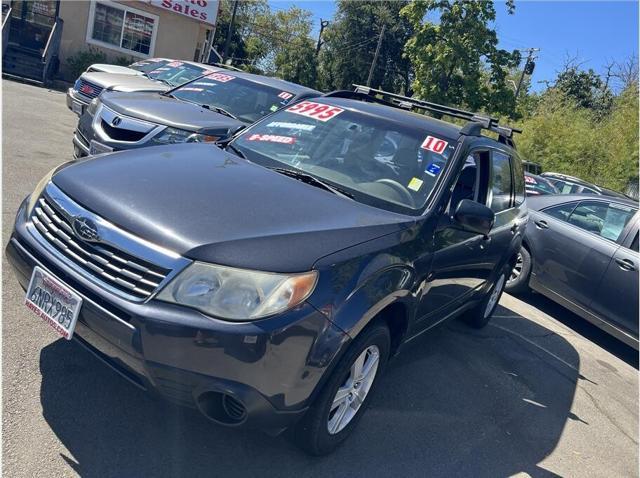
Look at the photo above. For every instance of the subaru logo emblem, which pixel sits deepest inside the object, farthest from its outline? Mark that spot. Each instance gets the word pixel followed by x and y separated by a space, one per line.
pixel 86 229
pixel 116 121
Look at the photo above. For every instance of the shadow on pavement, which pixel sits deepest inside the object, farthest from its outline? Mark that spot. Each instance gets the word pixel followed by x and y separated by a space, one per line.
pixel 582 327
pixel 456 402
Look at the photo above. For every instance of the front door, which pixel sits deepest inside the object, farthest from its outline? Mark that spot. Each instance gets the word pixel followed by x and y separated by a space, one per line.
pixel 32 21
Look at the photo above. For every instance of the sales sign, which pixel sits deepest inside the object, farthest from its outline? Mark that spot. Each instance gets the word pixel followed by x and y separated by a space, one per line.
pixel 202 10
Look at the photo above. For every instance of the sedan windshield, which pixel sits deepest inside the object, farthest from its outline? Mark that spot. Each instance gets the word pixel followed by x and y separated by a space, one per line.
pixel 145 66
pixel 177 73
pixel 380 162
pixel 244 99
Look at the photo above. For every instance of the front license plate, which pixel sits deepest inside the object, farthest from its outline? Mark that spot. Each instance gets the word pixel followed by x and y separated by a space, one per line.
pixel 53 302
pixel 77 107
pixel 98 148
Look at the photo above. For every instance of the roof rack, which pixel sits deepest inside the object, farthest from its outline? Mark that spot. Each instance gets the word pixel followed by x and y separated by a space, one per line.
pixel 477 122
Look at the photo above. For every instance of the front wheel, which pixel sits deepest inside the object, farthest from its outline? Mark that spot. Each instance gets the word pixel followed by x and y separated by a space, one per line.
pixel 479 316
pixel 338 408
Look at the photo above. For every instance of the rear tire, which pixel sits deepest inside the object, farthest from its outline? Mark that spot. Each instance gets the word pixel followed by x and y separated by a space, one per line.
pixel 326 424
pixel 518 281
pixel 479 316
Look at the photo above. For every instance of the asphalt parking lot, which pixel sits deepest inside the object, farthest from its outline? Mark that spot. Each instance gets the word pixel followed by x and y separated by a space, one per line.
pixel 537 393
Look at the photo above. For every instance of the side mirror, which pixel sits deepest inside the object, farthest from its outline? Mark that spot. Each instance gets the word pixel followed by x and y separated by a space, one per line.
pixel 474 217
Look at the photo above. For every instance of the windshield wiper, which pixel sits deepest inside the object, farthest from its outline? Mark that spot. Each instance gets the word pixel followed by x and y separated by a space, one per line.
pixel 217 109
pixel 236 150
pixel 313 181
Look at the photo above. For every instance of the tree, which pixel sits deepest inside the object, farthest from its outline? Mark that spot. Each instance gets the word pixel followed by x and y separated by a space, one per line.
pixel 456 59
pixel 350 43
pixel 298 63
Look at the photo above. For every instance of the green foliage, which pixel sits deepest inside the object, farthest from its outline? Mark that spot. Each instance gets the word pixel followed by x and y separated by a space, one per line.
pixel 123 60
pixel 80 61
pixel 456 59
pixel 350 43
pixel 565 137
pixel 298 63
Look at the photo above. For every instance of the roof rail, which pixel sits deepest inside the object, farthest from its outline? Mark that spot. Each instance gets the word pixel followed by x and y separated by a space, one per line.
pixel 477 121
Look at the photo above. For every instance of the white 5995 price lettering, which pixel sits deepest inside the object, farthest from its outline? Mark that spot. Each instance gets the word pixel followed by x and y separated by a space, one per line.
pixel 315 110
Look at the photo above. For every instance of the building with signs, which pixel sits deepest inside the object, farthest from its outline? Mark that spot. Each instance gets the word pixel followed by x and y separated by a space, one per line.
pixel 40 35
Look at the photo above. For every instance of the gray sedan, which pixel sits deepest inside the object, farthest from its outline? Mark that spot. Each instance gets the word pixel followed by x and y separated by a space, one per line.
pixel 581 251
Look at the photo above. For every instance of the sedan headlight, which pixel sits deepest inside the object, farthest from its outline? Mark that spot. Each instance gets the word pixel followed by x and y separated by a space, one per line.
pixel 92 109
pixel 174 135
pixel 237 294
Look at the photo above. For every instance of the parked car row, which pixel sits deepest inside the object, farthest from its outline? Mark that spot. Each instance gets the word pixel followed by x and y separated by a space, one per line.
pixel 266 275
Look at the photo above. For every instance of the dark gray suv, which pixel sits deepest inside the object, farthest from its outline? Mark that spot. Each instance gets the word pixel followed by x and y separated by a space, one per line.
pixel 268 284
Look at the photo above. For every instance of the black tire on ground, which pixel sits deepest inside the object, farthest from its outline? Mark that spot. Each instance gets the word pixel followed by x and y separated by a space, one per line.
pixel 479 316
pixel 311 433
pixel 520 284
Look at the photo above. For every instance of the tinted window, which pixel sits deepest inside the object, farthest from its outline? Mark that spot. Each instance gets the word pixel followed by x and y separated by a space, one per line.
pixel 605 219
pixel 500 182
pixel 634 244
pixel 386 164
pixel 562 212
pixel 518 181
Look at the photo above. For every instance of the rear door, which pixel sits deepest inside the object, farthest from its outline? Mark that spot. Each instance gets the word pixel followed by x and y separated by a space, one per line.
pixel 617 297
pixel 570 253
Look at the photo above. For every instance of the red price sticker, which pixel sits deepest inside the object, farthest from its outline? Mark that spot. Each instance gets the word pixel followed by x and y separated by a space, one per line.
pixel 285 95
pixel 175 64
pixel 315 110
pixel 530 180
pixel 434 144
pixel 221 77
pixel 272 138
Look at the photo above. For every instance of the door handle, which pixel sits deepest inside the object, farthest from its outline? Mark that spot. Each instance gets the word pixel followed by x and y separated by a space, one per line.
pixel 541 224
pixel 626 264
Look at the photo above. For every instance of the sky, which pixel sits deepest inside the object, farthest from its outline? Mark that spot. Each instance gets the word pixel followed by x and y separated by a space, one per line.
pixel 597 32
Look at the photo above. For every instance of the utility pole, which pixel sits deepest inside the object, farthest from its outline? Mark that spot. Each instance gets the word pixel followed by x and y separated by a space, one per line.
pixel 375 56
pixel 323 24
pixel 528 67
pixel 230 32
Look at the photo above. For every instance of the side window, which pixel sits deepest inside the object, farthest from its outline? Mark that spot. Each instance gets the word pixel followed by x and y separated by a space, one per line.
pixel 634 244
pixel 562 212
pixel 501 184
pixel 518 180
pixel 605 219
pixel 467 184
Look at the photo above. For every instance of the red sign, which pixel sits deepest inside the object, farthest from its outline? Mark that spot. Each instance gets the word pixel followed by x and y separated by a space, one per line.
pixel 272 138
pixel 315 110
pixel 86 89
pixel 434 144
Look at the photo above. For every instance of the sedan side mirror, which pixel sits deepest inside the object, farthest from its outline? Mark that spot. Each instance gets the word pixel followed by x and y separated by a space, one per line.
pixel 474 217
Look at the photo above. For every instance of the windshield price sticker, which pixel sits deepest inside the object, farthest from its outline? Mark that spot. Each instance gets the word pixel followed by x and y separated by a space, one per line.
pixel 272 138
pixel 221 77
pixel 285 95
pixel 530 180
pixel 175 64
pixel 434 144
pixel 316 111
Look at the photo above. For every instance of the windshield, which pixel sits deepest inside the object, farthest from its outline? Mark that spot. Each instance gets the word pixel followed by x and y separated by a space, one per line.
pixel 177 73
pixel 145 66
pixel 246 100
pixel 380 162
pixel 539 185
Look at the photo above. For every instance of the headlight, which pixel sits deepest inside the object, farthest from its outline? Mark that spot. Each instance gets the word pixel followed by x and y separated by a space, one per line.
pixel 92 109
pixel 76 85
pixel 174 135
pixel 237 294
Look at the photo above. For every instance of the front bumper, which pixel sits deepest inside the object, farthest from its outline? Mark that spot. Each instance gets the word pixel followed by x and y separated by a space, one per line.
pixel 76 102
pixel 272 367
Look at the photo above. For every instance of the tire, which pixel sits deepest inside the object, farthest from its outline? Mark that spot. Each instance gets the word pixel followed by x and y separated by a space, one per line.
pixel 312 433
pixel 518 281
pixel 479 316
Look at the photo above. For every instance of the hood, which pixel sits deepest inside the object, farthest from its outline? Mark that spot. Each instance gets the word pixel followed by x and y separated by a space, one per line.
pixel 170 111
pixel 106 68
pixel 122 82
pixel 209 205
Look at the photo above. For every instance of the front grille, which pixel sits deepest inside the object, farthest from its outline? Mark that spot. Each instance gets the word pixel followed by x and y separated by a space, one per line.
pixel 88 89
pixel 114 267
pixel 120 134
